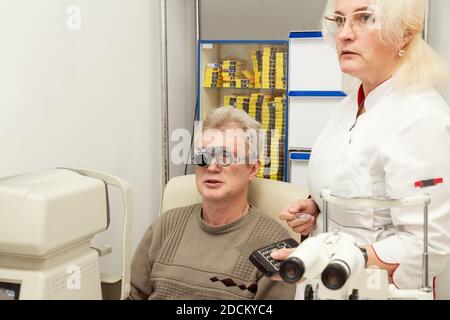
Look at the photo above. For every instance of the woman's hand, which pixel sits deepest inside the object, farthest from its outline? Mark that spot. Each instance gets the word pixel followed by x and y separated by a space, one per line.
pixel 301 216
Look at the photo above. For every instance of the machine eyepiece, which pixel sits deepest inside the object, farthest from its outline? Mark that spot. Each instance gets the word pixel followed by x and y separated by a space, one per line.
pixel 335 276
pixel 292 270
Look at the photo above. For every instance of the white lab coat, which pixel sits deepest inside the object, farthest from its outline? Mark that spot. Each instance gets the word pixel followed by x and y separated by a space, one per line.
pixel 400 139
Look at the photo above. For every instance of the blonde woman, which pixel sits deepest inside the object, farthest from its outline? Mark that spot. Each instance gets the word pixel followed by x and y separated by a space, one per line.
pixel 390 133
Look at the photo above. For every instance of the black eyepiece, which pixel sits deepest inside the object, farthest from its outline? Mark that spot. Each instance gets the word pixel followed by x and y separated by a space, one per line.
pixel 292 270
pixel 335 276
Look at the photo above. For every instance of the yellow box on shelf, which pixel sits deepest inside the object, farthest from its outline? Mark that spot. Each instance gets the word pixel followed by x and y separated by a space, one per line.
pixel 229 100
pixel 267 69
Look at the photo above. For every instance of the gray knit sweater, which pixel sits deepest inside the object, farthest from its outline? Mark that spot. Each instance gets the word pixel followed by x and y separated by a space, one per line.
pixel 182 257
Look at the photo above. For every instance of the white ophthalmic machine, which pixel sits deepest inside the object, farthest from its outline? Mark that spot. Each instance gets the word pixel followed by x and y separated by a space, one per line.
pixel 47 222
pixel 333 265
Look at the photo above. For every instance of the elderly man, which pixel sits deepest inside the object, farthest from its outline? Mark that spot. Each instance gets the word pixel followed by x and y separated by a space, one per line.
pixel 202 251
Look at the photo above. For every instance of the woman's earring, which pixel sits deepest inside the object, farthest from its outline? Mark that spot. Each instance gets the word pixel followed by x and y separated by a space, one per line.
pixel 401 53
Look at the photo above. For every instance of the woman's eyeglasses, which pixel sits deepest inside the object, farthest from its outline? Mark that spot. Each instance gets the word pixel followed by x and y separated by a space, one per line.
pixel 360 21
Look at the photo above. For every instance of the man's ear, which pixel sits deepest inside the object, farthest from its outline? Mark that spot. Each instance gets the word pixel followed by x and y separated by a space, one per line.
pixel 254 168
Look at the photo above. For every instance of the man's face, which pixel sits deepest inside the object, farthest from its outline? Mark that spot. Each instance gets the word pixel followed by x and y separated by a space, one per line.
pixel 222 183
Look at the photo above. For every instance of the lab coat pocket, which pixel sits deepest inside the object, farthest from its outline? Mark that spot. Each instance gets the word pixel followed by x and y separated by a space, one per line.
pixel 352 181
pixel 352 217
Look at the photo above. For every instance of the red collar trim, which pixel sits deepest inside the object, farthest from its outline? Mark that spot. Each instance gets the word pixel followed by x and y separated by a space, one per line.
pixel 361 97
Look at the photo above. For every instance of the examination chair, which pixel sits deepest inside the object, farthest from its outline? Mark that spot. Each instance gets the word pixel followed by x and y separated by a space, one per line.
pixel 269 196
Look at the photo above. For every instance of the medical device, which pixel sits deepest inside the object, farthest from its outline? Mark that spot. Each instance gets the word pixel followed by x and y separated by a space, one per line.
pixel 334 267
pixel 47 222
pixel 264 262
pixel 333 256
pixel 224 157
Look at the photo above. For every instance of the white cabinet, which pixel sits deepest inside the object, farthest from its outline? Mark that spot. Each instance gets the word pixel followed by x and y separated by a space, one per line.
pixel 307 117
pixel 313 64
pixel 298 167
pixel 314 90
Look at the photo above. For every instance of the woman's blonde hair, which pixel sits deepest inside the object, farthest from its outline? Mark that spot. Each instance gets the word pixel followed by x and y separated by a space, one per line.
pixel 420 67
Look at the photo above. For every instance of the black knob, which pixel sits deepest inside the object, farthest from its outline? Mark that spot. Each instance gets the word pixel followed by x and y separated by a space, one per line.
pixel 309 292
pixel 354 295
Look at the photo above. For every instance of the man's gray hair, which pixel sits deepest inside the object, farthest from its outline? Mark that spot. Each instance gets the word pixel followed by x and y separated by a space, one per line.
pixel 223 118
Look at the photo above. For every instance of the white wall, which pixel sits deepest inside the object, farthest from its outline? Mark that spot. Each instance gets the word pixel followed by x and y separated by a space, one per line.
pixel 86 98
pixel 182 74
pixel 258 19
pixel 438 32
